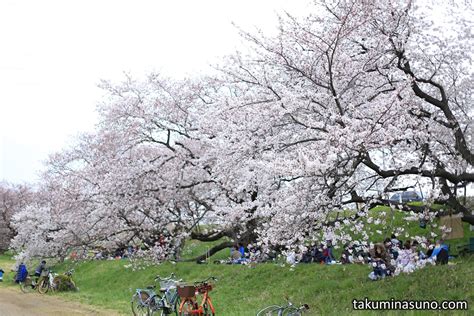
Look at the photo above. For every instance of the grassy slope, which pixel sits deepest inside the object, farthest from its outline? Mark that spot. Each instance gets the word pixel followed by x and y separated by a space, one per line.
pixel 242 290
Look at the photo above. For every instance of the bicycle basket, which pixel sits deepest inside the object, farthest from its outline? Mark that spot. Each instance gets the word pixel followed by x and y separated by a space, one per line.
pixel 144 296
pixel 186 291
pixel 203 288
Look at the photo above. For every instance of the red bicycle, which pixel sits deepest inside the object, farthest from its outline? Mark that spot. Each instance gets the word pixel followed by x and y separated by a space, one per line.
pixel 189 303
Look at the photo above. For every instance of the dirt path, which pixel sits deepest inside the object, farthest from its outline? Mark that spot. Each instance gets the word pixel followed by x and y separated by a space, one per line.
pixel 15 303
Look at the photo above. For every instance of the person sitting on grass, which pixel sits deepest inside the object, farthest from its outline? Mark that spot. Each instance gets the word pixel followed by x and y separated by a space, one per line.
pixel 1 274
pixel 360 255
pixel 395 241
pixel 317 254
pixel 381 263
pixel 307 258
pixel 407 260
pixel 416 248
pixel 235 254
pixel 390 249
pixel 291 257
pixel 429 248
pixel 440 253
pixel 346 256
pixel 241 249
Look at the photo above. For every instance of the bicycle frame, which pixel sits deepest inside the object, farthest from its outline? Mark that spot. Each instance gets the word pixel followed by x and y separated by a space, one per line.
pixel 278 310
pixel 46 282
pixel 200 310
pixel 206 298
pixel 166 301
pixel 151 296
pixel 51 276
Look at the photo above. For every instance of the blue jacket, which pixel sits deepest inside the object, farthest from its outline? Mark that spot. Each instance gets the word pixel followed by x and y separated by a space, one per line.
pixel 22 273
pixel 438 249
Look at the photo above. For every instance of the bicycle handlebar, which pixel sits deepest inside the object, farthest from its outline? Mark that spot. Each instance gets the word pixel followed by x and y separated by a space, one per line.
pixel 301 307
pixel 206 280
pixel 170 278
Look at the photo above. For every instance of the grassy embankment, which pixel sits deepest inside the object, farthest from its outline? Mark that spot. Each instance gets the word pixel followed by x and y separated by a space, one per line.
pixel 242 290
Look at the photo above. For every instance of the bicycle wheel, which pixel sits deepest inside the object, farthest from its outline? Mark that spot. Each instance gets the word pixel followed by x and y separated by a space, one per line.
pixel 27 285
pixel 273 310
pixel 43 286
pixel 176 305
pixel 168 311
pixel 173 310
pixel 291 311
pixel 206 310
pixel 139 306
pixel 155 306
pixel 188 308
pixel 73 285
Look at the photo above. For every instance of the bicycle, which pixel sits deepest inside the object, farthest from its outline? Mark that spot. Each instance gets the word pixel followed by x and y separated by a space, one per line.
pixel 32 282
pixel 285 310
pixel 189 304
pixel 46 282
pixel 28 285
pixel 64 282
pixel 148 302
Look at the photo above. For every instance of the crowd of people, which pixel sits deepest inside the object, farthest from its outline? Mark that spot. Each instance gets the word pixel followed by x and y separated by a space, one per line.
pixel 388 258
pixel 393 257
pixel 119 253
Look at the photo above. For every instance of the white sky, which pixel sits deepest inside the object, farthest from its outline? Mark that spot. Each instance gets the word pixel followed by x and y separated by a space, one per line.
pixel 53 54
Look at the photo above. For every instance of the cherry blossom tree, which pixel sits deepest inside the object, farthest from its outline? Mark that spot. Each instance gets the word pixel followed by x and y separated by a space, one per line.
pixel 357 100
pixel 356 97
pixel 12 199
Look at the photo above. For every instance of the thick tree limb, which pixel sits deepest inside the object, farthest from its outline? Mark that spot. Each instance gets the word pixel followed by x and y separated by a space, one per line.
pixel 213 236
pixel 443 104
pixel 212 251
pixel 437 172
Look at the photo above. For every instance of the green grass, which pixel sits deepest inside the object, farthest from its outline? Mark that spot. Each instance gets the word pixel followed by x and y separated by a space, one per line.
pixel 242 290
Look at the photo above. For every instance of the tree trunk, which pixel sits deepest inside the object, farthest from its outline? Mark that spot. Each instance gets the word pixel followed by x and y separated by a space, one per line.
pixel 212 251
